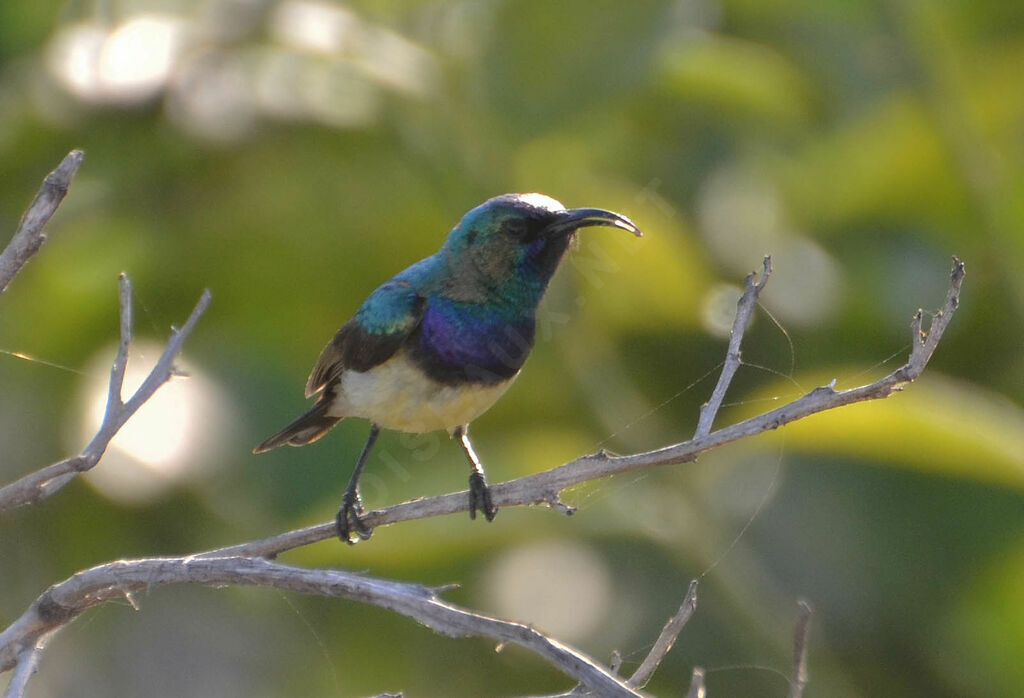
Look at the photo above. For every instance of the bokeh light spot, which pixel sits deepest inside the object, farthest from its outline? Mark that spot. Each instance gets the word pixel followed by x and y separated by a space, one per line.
pixel 130 63
pixel 559 586
pixel 139 56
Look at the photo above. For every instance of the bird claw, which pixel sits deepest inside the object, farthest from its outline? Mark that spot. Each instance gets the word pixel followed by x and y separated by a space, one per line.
pixel 349 521
pixel 480 497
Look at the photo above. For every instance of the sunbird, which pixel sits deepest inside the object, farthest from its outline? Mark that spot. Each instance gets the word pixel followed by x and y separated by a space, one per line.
pixel 434 347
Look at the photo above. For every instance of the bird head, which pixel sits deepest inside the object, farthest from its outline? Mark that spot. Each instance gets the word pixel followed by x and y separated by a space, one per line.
pixel 517 240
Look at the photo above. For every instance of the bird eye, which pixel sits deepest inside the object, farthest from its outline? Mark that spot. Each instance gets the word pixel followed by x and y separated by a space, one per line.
pixel 517 228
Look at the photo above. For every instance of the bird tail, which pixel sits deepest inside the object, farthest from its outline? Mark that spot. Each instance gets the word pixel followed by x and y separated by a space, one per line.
pixel 310 426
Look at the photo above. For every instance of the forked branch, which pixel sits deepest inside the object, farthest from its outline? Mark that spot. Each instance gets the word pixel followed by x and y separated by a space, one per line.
pixel 27 240
pixel 37 486
pixel 744 309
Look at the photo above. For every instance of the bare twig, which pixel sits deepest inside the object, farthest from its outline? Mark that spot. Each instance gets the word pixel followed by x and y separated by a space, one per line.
pixel 39 485
pixel 697 689
pixel 662 646
pixel 803 626
pixel 744 308
pixel 63 602
pixel 544 487
pixel 615 661
pixel 30 237
pixel 28 664
pixel 666 639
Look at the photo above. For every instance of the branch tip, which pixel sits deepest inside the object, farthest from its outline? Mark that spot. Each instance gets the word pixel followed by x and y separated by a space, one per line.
pixel 959 270
pixel 766 271
pixel 691 595
pixel 615 661
pixel 663 645
pixel 444 588
pixel 72 161
pixel 800 634
pixel 697 688
pixel 956 280
pixel 29 237
pixel 60 178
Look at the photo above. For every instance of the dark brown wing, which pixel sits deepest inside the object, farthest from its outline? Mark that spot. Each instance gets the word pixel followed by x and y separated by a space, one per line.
pixel 379 328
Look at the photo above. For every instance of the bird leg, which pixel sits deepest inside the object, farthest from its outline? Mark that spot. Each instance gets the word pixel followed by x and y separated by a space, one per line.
pixel 347 521
pixel 479 492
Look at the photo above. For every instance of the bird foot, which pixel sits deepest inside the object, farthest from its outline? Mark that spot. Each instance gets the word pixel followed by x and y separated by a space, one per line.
pixel 480 497
pixel 349 521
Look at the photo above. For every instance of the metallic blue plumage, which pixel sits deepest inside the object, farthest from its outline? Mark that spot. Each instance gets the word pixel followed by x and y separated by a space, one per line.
pixel 474 343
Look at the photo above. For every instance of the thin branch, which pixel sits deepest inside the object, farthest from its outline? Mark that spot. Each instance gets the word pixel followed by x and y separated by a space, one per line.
pixel 744 308
pixel 63 602
pixel 697 688
pixel 28 664
pixel 545 487
pixel 662 646
pixel 29 236
pixel 615 661
pixel 37 486
pixel 120 365
pixel 665 640
pixel 803 627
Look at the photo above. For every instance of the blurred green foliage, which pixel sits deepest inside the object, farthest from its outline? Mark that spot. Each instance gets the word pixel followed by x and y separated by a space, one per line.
pixel 292 155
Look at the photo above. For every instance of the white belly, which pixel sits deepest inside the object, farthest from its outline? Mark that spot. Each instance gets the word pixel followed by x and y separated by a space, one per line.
pixel 397 395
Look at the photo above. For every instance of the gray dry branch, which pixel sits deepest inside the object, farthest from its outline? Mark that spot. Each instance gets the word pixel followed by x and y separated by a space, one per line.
pixel 27 240
pixel 667 638
pixel 659 650
pixel 744 309
pixel 37 486
pixel 22 643
pixel 63 602
pixel 29 236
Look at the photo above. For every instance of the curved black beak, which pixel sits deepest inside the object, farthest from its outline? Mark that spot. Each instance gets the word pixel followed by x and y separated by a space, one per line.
pixel 569 220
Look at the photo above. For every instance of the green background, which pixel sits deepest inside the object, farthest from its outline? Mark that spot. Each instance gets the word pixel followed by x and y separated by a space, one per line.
pixel 291 156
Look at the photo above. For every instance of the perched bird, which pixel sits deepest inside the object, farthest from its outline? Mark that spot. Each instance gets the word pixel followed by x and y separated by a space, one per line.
pixel 435 346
